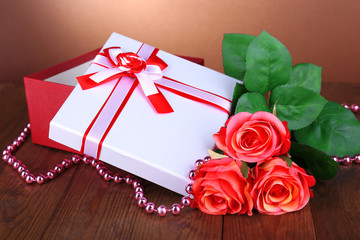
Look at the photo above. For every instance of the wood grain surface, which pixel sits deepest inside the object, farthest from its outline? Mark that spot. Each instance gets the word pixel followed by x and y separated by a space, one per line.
pixel 80 205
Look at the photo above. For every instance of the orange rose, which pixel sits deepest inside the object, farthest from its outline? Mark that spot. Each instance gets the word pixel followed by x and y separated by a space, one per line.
pixel 278 188
pixel 253 137
pixel 220 188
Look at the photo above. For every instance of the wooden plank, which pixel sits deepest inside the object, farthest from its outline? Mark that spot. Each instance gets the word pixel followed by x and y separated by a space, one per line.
pixel 25 209
pixel 297 225
pixel 336 205
pixel 93 208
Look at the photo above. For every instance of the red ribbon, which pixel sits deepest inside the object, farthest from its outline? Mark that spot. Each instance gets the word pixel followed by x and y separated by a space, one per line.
pixel 116 68
pixel 113 63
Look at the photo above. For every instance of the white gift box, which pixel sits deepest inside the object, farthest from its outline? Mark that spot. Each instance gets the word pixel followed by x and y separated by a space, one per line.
pixel 161 148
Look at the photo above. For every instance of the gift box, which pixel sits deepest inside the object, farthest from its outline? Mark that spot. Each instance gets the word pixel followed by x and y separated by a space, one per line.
pixel 48 89
pixel 153 120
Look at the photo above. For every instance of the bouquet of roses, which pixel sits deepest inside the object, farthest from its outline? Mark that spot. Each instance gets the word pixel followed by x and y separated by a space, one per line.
pixel 280 126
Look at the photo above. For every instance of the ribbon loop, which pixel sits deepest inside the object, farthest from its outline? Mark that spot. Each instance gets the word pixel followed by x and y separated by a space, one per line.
pixel 147 77
pixel 118 64
pixel 113 53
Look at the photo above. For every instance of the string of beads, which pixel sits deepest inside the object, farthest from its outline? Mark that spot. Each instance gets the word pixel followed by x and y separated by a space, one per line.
pixel 150 207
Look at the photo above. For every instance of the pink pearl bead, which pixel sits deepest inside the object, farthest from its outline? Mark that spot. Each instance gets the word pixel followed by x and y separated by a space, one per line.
pixel 50 174
pixel 102 171
pixel 142 202
pixel 150 207
pixel 139 195
pixel 58 168
pixel 16 164
pixel 86 159
pixel 128 180
pixel 354 108
pixel 75 159
pixel 5 158
pixel 207 158
pixel 335 158
pixel 345 105
pixel 356 159
pixel 11 160
pixel 346 160
pixel 16 143
pixel 29 178
pixel 199 162
pixel 176 209
pixel 139 189
pixel 24 173
pixel 94 162
pixel 10 148
pixel 66 163
pixel 40 179
pixel 26 130
pixel 136 184
pixel 99 165
pixel 117 178
pixel 20 139
pixel 186 201
pixel 162 210
pixel 188 189
pixel 107 176
pixel 192 174
pixel 23 134
pixel 21 168
pixel 5 152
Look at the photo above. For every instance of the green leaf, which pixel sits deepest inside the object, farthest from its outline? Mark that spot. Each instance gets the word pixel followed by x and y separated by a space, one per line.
pixel 251 102
pixel 219 151
pixel 336 131
pixel 297 105
pixel 238 91
pixel 320 164
pixel 244 169
pixel 268 64
pixel 287 160
pixel 234 54
pixel 306 75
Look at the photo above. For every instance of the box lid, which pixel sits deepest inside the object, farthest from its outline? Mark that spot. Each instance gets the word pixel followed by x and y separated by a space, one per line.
pixel 161 148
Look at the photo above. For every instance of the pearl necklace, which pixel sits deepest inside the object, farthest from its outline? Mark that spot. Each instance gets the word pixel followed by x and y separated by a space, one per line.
pixel 162 210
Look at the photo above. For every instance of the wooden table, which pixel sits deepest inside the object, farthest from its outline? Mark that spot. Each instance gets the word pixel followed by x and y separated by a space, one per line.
pixel 80 205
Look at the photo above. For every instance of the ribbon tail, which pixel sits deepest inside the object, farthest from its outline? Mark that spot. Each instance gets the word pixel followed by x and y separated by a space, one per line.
pixel 155 60
pixel 194 94
pixel 159 102
pixel 85 81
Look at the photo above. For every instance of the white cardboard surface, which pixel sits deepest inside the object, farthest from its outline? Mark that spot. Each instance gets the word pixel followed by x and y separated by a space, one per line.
pixel 68 77
pixel 161 148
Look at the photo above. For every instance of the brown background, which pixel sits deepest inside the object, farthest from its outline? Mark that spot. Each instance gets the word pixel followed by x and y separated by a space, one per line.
pixel 36 34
